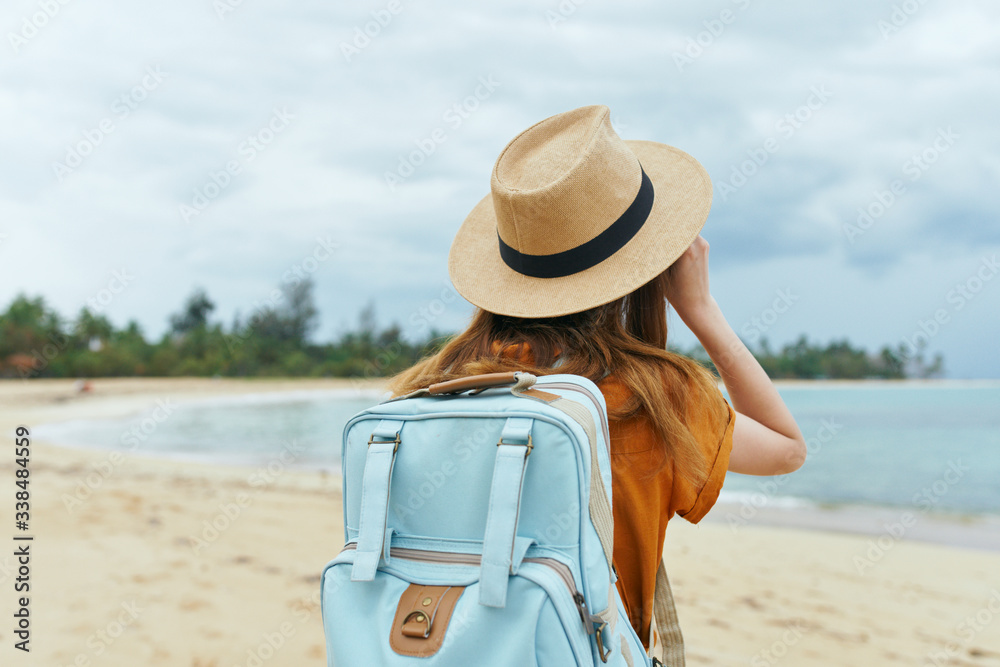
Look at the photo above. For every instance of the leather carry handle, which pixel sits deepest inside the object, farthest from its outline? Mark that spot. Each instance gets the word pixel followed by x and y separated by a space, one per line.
pixel 477 382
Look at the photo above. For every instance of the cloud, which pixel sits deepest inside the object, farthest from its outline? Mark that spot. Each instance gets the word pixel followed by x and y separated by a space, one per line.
pixel 413 79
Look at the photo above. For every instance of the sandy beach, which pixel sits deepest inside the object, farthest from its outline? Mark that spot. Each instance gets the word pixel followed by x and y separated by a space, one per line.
pixel 127 568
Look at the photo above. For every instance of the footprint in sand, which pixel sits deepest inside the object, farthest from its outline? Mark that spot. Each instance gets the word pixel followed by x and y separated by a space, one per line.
pixel 192 605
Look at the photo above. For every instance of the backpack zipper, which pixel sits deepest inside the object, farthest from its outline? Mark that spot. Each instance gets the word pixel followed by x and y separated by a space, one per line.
pixel 597 404
pixel 425 556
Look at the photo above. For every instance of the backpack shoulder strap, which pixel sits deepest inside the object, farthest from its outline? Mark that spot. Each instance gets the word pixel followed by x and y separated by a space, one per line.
pixel 600 508
pixel 668 647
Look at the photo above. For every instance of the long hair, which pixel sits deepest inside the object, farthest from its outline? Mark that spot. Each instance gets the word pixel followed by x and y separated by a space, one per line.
pixel 626 337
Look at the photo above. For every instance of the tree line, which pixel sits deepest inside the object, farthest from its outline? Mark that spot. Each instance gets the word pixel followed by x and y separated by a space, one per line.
pixel 275 340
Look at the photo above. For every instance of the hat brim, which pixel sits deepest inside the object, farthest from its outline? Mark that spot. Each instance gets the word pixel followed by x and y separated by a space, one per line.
pixel 682 199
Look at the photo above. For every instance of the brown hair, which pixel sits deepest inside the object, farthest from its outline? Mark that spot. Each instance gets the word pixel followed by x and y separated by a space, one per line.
pixel 626 337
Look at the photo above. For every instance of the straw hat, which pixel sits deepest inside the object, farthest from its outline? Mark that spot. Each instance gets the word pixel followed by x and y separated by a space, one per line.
pixel 576 218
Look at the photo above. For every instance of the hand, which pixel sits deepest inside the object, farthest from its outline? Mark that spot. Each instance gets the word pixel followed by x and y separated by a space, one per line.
pixel 687 282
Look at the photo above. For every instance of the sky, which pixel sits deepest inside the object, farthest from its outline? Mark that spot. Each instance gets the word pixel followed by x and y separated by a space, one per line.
pixel 148 149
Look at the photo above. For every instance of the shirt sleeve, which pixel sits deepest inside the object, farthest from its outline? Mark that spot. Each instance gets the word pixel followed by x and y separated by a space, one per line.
pixel 712 426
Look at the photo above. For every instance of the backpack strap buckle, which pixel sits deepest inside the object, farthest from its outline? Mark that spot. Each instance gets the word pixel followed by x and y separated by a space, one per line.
pixel 395 442
pixel 529 445
pixel 599 636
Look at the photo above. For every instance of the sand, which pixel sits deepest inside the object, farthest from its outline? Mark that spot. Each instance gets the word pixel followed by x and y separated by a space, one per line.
pixel 118 578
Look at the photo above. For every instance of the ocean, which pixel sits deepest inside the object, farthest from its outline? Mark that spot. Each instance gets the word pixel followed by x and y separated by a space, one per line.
pixel 926 446
pixel 930 447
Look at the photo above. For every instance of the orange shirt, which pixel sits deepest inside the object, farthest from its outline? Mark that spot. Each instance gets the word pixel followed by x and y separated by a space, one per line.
pixel 643 502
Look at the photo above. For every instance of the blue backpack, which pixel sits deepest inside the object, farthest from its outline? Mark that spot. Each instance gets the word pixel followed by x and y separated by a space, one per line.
pixel 478 529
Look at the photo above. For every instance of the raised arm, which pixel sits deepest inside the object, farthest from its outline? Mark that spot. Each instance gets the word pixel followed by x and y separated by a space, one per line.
pixel 766 439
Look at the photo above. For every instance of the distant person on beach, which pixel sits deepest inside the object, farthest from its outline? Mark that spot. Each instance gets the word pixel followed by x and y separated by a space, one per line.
pixel 571 261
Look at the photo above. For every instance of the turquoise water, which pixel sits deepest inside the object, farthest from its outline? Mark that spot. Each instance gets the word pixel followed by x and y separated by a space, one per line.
pixel 927 447
pixel 246 430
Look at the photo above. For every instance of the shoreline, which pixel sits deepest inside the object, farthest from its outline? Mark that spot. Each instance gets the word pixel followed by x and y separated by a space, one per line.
pixel 960 531
pixel 220 388
pixel 129 397
pixel 965 530
pixel 218 564
pixel 915 383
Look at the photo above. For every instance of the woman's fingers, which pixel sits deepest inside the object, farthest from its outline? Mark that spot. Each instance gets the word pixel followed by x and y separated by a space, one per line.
pixel 687 286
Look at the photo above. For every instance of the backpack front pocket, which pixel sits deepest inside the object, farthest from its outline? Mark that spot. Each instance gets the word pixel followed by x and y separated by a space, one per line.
pixel 367 618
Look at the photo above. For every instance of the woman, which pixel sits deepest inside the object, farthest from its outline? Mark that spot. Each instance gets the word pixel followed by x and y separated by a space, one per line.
pixel 571 261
